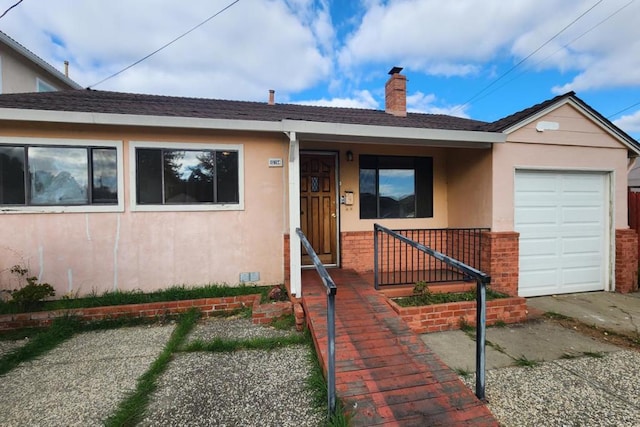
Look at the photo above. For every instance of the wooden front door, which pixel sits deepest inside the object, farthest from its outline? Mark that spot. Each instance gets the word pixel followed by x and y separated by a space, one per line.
pixel 318 209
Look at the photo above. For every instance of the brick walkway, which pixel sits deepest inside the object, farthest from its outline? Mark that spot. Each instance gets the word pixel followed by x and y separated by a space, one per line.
pixel 384 373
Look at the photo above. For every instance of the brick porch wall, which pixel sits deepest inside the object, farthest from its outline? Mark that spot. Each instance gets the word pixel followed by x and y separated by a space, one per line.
pixel 500 260
pixel 626 261
pixel 356 250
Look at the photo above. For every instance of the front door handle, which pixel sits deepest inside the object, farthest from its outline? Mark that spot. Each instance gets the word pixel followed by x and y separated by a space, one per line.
pixel 333 215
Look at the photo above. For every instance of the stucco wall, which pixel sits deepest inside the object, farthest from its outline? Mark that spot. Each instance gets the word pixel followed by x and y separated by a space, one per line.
pixel 578 144
pixel 19 75
pixel 469 187
pixel 87 252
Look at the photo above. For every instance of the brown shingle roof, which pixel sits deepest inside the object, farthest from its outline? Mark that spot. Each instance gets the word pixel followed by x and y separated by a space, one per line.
pixel 155 105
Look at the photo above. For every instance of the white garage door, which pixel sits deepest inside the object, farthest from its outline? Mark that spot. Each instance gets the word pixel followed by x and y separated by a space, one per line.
pixel 562 218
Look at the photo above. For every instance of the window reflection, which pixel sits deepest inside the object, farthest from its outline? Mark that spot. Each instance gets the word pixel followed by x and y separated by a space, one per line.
pixel 105 177
pixel 397 193
pixel 58 175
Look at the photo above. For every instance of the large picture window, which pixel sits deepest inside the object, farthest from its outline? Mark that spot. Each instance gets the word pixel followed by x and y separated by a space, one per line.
pixel 396 187
pixel 168 176
pixel 47 175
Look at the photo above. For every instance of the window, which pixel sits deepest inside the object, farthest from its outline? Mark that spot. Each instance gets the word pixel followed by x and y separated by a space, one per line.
pixel 188 176
pixel 396 187
pixel 42 86
pixel 58 175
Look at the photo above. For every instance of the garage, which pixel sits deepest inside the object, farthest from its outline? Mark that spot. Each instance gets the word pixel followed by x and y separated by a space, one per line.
pixel 563 221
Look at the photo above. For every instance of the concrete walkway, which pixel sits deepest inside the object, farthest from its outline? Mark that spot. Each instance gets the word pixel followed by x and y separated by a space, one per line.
pixel 540 373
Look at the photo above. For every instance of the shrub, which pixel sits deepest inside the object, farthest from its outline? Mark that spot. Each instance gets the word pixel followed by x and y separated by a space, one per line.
pixel 31 295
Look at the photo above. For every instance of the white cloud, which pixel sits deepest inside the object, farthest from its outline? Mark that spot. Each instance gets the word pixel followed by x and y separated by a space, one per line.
pixel 361 99
pixel 421 103
pixel 252 47
pixel 629 123
pixel 465 37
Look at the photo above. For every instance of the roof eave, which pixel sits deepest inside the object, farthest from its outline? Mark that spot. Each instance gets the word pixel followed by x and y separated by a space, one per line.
pixel 305 130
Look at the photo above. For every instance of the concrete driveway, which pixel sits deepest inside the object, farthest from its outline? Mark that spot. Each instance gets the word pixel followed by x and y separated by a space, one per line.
pixel 541 373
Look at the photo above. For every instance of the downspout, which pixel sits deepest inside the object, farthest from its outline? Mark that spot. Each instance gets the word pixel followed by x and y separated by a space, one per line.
pixel 294 215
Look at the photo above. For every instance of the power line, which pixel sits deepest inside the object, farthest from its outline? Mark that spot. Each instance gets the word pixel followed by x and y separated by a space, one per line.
pixel 526 58
pixel 559 49
pixel 623 110
pixel 7 11
pixel 165 45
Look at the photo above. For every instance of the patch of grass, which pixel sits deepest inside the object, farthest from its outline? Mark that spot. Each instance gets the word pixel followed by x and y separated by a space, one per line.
pixel 60 330
pixel 594 354
pixel 20 334
pixel 499 324
pixel 463 372
pixel 568 356
pixel 429 298
pixel 496 346
pixel 556 316
pixel 229 345
pixel 284 322
pixel 317 385
pixel 465 326
pixel 131 409
pixel 174 293
pixel 526 363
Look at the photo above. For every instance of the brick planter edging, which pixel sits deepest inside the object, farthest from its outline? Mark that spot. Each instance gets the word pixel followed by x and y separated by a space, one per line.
pixel 262 313
pixel 445 317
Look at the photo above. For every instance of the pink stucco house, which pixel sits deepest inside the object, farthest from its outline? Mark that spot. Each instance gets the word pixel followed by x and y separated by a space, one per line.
pixel 104 191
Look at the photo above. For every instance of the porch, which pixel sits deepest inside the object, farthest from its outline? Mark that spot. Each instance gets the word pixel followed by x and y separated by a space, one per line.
pixel 385 375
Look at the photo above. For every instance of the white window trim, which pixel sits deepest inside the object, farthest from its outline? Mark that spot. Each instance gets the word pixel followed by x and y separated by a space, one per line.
pixel 70 143
pixel 185 207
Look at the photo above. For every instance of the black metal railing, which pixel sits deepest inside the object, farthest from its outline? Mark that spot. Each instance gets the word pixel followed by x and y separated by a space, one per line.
pixel 481 279
pixel 331 323
pixel 399 263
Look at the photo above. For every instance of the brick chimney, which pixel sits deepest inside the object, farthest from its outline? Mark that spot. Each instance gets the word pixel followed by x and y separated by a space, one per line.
pixel 395 93
pixel 272 97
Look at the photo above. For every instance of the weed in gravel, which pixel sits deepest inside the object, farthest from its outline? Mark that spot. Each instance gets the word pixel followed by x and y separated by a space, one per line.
pixel 132 408
pixel 568 356
pixel 463 372
pixel 594 354
pixel 556 316
pixel 526 363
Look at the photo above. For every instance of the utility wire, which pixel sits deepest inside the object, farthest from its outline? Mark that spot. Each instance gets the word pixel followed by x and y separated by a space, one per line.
pixel 623 110
pixel 7 11
pixel 559 49
pixel 165 45
pixel 474 97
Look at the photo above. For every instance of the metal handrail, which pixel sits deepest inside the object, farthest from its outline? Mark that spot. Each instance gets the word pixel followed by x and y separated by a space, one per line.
pixel 482 280
pixel 331 288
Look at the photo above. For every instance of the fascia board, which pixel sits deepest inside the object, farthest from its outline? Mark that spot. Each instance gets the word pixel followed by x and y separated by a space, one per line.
pixel 137 120
pixel 390 132
pixel 605 126
pixel 310 130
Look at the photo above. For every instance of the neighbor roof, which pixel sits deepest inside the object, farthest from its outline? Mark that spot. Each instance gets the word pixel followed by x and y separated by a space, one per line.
pixel 23 51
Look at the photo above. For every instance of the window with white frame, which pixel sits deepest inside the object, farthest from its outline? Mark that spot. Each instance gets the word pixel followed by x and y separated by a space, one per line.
pixel 58 173
pixel 192 175
pixel 42 86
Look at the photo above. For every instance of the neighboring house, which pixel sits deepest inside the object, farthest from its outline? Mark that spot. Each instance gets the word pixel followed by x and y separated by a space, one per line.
pixel 23 71
pixel 103 190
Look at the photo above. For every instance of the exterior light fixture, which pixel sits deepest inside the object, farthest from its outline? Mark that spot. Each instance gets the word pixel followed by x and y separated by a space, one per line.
pixel 349 156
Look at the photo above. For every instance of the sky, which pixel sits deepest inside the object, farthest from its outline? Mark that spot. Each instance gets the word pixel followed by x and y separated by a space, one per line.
pixel 482 59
